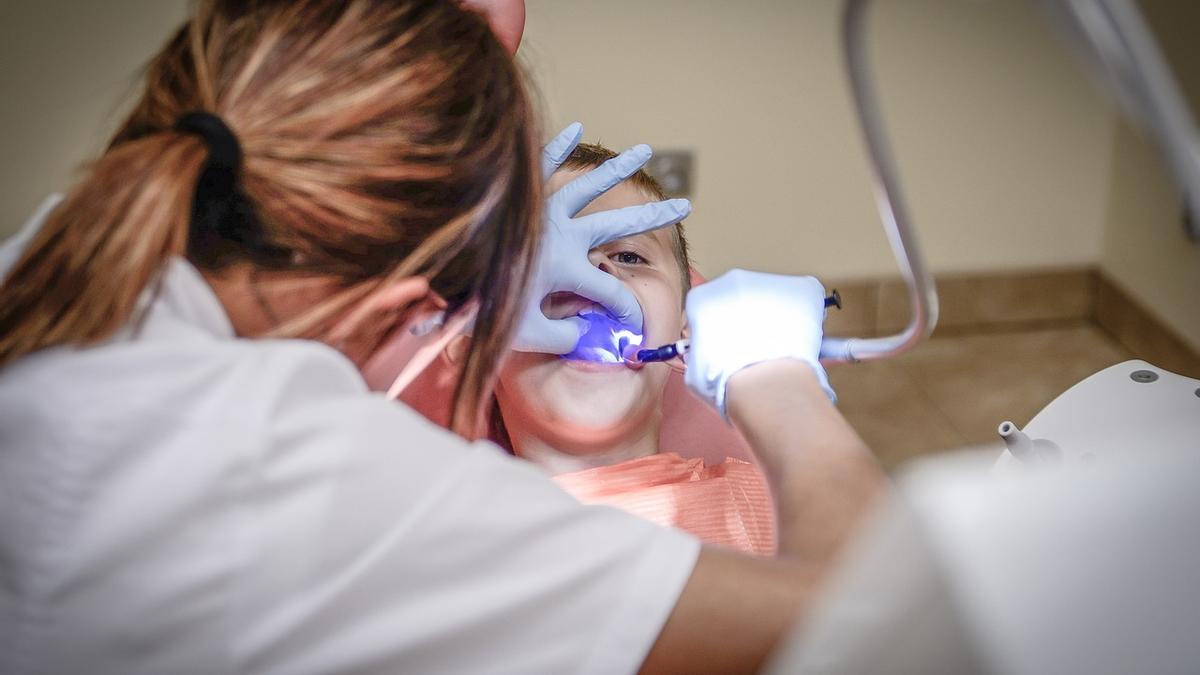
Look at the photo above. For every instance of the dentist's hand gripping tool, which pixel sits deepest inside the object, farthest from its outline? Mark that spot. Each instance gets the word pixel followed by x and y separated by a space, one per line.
pixel 635 354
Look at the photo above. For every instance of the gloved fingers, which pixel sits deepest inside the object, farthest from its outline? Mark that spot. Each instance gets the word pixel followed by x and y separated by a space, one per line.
pixel 537 333
pixel 811 289
pixel 743 286
pixel 607 290
pixel 559 148
pixel 606 226
pixel 580 192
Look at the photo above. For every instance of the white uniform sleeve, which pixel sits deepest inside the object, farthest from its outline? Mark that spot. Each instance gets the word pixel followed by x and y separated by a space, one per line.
pixel 888 609
pixel 376 542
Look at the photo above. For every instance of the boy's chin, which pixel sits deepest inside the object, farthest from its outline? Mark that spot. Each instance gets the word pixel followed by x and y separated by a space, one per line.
pixel 595 367
pixel 599 407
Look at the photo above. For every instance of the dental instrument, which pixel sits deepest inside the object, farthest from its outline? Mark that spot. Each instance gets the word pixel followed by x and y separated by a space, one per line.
pixel 664 353
pixel 605 339
pixel 1118 48
pixel 893 211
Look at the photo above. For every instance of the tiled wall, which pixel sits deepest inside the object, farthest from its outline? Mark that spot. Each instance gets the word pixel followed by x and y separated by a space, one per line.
pixel 983 303
pixel 1139 332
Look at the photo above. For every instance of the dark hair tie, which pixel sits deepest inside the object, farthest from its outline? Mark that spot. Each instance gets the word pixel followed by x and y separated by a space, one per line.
pixel 223 226
pixel 224 151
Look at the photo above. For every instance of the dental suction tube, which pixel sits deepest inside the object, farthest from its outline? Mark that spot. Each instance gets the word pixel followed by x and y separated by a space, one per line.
pixel 893 212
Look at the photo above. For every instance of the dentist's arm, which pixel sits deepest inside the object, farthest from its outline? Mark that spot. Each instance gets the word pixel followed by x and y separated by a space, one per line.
pixel 755 340
pixel 823 476
pixel 755 346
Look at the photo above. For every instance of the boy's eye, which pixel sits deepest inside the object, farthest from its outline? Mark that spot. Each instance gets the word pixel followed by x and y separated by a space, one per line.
pixel 628 258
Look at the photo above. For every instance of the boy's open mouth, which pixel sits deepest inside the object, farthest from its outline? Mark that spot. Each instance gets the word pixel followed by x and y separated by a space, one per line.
pixel 605 339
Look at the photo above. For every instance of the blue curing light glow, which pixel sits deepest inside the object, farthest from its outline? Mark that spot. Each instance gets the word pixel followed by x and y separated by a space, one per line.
pixel 604 338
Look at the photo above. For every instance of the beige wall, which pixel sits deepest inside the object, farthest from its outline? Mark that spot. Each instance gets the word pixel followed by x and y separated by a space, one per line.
pixel 1007 152
pixel 1145 250
pixel 65 66
pixel 1005 149
pixel 1004 146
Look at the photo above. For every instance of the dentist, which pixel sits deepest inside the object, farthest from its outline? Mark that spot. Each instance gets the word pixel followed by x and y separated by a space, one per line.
pixel 193 476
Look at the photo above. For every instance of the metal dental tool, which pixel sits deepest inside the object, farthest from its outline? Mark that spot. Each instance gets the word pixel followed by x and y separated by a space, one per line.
pixel 893 212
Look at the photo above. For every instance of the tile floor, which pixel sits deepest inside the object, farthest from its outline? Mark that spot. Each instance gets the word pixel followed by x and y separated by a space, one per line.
pixel 952 391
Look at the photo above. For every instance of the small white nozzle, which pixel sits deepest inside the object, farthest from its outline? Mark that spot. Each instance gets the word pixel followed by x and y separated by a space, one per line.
pixel 1026 449
pixel 1017 441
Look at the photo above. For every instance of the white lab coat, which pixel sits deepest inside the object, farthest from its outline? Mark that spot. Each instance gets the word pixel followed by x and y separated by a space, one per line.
pixel 179 500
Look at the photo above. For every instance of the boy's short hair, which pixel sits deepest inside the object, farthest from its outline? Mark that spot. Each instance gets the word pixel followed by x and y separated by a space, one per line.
pixel 589 156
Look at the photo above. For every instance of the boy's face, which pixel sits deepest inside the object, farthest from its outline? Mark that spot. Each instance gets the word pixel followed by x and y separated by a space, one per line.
pixel 547 396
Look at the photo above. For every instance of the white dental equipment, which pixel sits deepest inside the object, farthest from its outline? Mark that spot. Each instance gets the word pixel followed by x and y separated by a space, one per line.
pixel 1124 409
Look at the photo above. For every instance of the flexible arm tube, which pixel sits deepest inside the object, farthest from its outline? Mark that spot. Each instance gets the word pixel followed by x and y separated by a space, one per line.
pixel 889 200
pixel 1113 39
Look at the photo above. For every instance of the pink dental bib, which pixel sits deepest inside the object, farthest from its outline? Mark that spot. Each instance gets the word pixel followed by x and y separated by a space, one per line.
pixel 727 504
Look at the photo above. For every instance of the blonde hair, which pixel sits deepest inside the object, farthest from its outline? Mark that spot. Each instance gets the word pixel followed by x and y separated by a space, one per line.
pixel 381 140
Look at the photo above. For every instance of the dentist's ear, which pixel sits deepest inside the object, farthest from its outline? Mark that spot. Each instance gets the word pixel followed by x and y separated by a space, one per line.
pixel 392 298
pixel 456 350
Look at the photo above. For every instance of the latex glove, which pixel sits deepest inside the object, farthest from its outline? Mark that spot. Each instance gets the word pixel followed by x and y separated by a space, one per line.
pixel 563 264
pixel 742 318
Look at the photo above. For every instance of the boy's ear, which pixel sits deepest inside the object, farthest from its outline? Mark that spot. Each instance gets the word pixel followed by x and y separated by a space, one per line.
pixel 687 330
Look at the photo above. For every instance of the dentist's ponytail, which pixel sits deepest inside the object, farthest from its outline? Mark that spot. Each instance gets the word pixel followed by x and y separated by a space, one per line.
pixel 376 140
pixel 81 276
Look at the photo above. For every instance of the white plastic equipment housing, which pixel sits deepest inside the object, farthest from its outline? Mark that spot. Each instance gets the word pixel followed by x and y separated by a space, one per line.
pixel 1111 413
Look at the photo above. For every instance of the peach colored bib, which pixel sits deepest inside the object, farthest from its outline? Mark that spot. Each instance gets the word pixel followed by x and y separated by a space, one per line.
pixel 727 504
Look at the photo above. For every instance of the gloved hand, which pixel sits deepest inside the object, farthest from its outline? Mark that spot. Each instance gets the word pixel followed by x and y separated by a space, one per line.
pixel 563 264
pixel 742 318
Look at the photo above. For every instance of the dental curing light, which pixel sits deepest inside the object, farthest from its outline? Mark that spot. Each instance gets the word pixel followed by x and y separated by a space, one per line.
pixel 604 339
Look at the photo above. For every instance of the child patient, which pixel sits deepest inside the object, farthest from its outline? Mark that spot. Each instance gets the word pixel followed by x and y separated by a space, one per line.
pixel 595 426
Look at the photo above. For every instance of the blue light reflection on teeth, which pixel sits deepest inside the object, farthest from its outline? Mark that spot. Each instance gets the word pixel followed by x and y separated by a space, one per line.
pixel 604 340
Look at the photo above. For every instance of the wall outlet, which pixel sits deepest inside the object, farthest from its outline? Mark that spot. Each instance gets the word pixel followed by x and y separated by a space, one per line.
pixel 673 170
